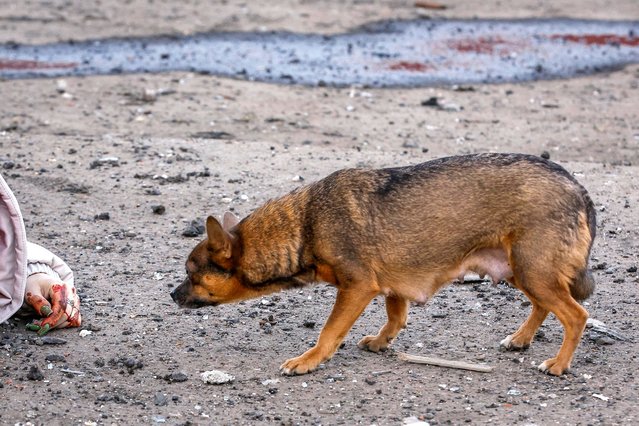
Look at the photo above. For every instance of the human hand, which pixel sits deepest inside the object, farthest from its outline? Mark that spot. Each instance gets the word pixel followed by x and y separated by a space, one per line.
pixel 57 302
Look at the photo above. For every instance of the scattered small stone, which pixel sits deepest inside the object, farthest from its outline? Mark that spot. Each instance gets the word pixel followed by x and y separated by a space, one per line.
pixel 370 380
pixel 158 209
pixel 431 102
pixel 76 188
pixel 212 135
pixel 102 216
pixel 434 102
pixel 194 229
pixel 632 269
pixel 55 358
pixel 160 399
pixel 297 178
pixel 131 364
pixel 48 340
pixel 545 155
pixel 85 333
pixel 309 324
pixel 600 266
pixel 514 392
pixel 176 377
pixel 164 179
pixel 112 161
pixel 599 328
pixel 216 377
pixel 460 88
pixel 35 373
pixel 254 415
pixel 115 397
pixel 600 339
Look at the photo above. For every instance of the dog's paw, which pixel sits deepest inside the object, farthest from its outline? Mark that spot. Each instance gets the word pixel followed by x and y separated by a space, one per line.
pixel 553 367
pixel 510 343
pixel 374 343
pixel 302 364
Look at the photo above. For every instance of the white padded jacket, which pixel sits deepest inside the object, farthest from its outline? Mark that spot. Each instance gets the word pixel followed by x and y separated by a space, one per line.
pixel 19 258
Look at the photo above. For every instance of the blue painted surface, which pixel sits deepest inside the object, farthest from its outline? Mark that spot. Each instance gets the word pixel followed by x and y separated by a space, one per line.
pixel 388 54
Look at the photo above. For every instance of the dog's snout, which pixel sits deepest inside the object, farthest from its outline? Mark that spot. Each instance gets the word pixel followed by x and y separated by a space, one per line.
pixel 181 292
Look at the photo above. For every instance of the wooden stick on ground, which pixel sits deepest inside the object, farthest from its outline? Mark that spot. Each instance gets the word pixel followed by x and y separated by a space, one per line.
pixel 444 363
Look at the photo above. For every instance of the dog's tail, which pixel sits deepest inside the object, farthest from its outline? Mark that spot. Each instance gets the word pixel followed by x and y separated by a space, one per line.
pixel 584 283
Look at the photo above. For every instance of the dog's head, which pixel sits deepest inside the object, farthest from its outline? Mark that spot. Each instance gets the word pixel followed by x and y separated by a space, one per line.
pixel 210 268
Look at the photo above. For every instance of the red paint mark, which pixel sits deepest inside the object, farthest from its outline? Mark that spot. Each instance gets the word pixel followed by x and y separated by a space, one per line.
pixel 486 45
pixel 410 66
pixel 598 39
pixel 17 64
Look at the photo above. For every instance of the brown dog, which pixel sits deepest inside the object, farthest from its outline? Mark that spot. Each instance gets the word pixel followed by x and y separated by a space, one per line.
pixel 405 233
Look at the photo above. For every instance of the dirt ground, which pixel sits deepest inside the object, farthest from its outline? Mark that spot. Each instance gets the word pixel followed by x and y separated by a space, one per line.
pixel 110 171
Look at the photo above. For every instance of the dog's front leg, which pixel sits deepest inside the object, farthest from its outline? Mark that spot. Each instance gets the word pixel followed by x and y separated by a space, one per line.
pixel 349 305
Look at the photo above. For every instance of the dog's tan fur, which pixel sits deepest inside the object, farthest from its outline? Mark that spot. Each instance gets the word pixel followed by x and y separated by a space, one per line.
pixel 404 233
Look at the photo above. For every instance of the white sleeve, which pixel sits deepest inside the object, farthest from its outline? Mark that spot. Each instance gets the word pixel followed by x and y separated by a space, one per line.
pixel 13 254
pixel 39 255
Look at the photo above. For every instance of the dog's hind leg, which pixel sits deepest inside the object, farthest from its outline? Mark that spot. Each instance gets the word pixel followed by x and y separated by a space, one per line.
pixel 397 311
pixel 573 317
pixel 545 277
pixel 349 305
pixel 522 338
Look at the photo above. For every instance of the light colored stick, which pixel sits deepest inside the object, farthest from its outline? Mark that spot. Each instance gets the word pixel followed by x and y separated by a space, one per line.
pixel 444 363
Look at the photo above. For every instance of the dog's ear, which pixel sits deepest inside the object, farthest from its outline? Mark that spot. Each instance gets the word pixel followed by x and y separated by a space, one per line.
pixel 229 221
pixel 219 239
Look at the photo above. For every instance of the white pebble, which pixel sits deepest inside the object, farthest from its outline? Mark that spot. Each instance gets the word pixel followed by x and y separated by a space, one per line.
pixel 216 377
